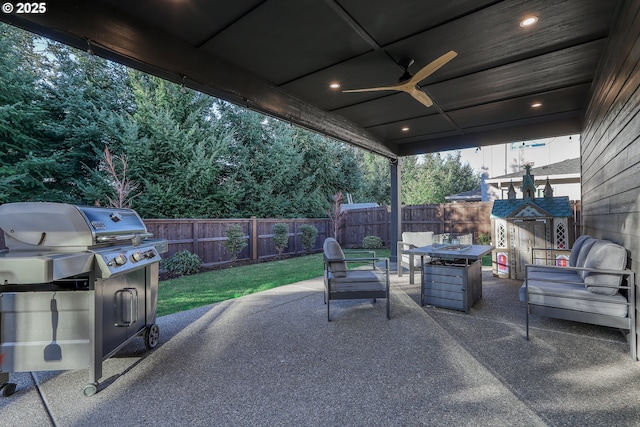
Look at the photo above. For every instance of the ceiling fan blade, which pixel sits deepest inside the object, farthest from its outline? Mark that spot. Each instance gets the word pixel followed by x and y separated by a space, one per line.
pixel 421 97
pixel 432 67
pixel 375 89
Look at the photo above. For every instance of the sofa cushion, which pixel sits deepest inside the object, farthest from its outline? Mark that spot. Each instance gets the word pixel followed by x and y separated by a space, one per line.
pixel 574 297
pixel 605 255
pixel 575 250
pixel 584 252
pixel 335 256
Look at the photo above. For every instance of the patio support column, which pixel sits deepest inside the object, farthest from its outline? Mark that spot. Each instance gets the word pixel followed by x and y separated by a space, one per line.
pixel 396 206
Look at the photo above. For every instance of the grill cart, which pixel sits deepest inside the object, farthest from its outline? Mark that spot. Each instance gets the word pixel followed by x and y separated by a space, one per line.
pixel 76 285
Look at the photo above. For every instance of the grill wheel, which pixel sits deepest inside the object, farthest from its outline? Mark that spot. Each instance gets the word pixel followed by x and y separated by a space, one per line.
pixel 152 336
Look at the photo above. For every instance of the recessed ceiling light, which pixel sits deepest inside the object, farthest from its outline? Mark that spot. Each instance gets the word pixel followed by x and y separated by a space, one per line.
pixel 405 129
pixel 334 85
pixel 529 21
pixel 536 105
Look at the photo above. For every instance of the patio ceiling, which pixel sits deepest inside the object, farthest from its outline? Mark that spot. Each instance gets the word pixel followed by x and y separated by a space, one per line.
pixel 279 57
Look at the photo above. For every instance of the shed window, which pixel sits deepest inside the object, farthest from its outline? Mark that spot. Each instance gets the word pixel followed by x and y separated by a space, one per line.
pixel 560 233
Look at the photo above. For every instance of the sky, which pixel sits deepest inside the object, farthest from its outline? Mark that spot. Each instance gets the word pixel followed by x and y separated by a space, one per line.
pixel 502 159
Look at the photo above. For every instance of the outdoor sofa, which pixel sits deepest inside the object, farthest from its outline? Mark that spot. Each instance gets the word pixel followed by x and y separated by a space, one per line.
pixel 595 288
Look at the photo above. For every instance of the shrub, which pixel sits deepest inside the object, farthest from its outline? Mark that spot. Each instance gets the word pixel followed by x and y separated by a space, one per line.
pixel 309 236
pixel 372 242
pixel 483 238
pixel 183 262
pixel 280 237
pixel 235 242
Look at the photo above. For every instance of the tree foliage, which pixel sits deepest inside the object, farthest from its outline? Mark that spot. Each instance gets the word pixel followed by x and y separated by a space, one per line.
pixel 431 179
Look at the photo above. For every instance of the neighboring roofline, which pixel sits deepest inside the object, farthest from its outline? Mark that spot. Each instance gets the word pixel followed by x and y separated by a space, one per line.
pixel 568 178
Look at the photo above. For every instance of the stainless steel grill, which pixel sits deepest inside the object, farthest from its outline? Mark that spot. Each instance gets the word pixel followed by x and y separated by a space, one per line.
pixel 76 285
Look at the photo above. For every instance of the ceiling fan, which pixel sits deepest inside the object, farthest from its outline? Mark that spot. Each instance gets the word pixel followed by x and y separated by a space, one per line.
pixel 409 84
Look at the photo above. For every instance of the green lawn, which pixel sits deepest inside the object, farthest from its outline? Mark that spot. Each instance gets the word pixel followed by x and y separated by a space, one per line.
pixel 187 292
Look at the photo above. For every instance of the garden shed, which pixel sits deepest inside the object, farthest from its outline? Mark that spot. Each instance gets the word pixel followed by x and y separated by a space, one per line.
pixel 518 225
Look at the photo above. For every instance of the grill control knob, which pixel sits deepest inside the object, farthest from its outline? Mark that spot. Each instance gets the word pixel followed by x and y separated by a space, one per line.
pixel 137 256
pixel 120 259
pixel 149 254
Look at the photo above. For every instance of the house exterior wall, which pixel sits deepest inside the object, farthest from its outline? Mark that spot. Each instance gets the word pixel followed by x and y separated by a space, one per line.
pixel 610 141
pixel 570 190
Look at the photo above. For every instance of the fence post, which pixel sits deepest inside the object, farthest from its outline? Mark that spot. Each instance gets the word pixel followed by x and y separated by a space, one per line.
pixel 254 237
pixel 194 231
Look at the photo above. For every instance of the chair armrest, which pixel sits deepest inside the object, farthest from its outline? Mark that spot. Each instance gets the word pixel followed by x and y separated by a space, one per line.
pixel 404 244
pixel 548 251
pixel 360 251
pixel 624 272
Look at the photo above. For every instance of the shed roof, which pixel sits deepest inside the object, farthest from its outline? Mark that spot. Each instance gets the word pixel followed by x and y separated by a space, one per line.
pixel 556 206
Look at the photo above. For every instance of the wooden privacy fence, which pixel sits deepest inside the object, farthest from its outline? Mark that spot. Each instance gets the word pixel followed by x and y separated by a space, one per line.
pixel 443 218
pixel 206 237
pixel 460 218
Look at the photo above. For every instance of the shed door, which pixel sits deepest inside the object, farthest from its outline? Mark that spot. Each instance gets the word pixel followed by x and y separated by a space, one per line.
pixel 529 234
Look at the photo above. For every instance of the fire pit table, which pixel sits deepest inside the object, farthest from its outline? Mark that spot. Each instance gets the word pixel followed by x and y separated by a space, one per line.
pixel 453 277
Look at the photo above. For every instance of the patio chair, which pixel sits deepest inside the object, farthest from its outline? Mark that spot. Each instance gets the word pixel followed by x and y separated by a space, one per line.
pixel 366 281
pixel 412 240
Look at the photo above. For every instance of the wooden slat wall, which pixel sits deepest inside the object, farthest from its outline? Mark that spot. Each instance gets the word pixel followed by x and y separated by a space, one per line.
pixel 610 144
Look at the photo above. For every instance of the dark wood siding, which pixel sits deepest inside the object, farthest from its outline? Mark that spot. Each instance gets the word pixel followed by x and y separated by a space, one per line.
pixel 610 144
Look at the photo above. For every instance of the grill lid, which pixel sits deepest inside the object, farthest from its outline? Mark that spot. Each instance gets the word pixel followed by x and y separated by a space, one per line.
pixel 45 225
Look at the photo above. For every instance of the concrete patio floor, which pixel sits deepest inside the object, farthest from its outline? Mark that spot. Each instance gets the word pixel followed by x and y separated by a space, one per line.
pixel 273 359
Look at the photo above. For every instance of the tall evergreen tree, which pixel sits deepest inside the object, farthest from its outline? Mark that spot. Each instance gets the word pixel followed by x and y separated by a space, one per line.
pixel 432 178
pixel 376 179
pixel 31 167
pixel 283 170
pixel 84 91
pixel 177 152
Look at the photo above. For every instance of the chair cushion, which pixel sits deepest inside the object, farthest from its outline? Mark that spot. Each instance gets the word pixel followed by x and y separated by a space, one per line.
pixel 609 256
pixel 359 280
pixel 333 251
pixel 418 238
